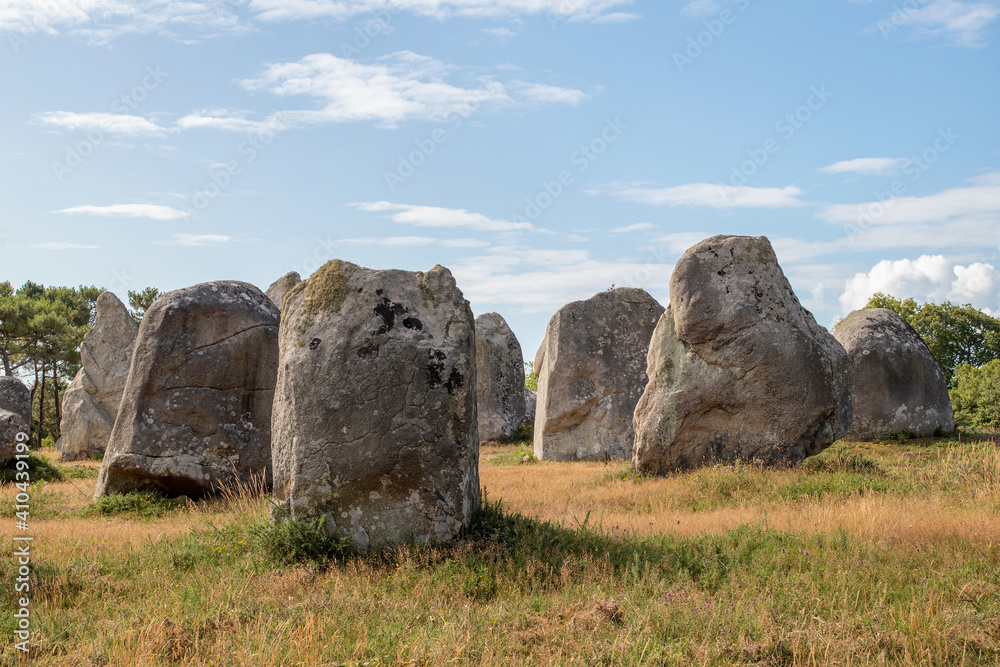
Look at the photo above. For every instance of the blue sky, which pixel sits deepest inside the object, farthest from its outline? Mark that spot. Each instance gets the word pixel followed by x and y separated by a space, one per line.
pixel 543 150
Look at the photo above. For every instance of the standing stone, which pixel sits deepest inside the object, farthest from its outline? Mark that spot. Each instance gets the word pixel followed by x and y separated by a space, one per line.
pixel 898 385
pixel 530 405
pixel 499 378
pixel 90 404
pixel 738 369
pixel 591 372
pixel 196 412
pixel 15 416
pixel 279 288
pixel 375 408
pixel 15 397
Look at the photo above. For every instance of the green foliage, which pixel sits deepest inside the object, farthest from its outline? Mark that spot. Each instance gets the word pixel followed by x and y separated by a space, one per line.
pixel 139 302
pixel 524 433
pixel 289 541
pixel 976 396
pixel 955 334
pixel 530 379
pixel 138 504
pixel 39 470
pixel 523 454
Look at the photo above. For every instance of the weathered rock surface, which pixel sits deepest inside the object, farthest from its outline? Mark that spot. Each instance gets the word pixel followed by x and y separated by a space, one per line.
pixel 15 415
pixel 279 288
pixel 10 425
pixel 90 404
pixel 530 405
pixel 15 397
pixel 375 409
pixel 591 372
pixel 499 378
pixel 898 386
pixel 196 411
pixel 738 369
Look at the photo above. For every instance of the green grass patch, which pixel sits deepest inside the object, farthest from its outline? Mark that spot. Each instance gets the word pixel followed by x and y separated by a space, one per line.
pixel 136 504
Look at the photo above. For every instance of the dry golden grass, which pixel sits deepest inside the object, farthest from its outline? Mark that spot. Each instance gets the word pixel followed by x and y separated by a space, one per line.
pixel 566 493
pixel 876 555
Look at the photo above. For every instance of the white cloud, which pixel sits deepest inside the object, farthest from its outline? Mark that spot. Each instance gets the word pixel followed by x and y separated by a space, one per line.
pixel 536 280
pixel 101 21
pixel 927 278
pixel 112 123
pixel 712 195
pixel 638 227
pixel 543 94
pixel 701 8
pixel 398 87
pixel 980 199
pixel 961 23
pixel 151 211
pixel 406 241
pixel 197 239
pixel 675 244
pixel 865 165
pixel 55 245
pixel 233 121
pixel 432 216
pixel 288 10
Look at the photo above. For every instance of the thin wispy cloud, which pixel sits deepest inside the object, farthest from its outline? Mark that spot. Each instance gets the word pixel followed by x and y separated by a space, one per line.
pixel 395 88
pixel 865 165
pixel 194 240
pixel 960 23
pixel 638 227
pixel 112 123
pixel 56 245
pixel 432 216
pixel 151 211
pixel 577 10
pixel 708 194
pixel 102 21
pixel 980 200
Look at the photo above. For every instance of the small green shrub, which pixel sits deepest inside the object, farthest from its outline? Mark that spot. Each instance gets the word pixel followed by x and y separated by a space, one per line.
pixel 139 504
pixel 289 541
pixel 78 472
pixel 524 433
pixel 520 456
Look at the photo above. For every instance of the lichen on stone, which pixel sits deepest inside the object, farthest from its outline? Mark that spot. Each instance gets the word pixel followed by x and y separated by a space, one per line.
pixel 326 289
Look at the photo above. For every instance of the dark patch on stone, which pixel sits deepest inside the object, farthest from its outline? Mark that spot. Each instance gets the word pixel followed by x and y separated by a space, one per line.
pixel 388 311
pixel 435 369
pixel 455 381
pixel 413 323
pixel 368 351
pixel 314 343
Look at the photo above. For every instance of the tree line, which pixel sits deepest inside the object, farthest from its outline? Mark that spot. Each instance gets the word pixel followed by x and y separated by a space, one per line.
pixel 41 329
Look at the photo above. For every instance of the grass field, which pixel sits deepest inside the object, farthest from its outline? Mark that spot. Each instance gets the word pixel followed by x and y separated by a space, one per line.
pixel 868 554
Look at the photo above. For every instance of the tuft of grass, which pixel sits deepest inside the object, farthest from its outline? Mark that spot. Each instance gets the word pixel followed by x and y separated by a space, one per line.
pixel 520 455
pixel 137 504
pixel 299 541
pixel 78 472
